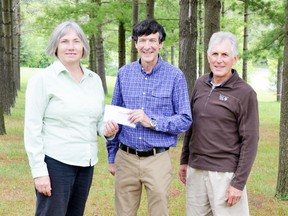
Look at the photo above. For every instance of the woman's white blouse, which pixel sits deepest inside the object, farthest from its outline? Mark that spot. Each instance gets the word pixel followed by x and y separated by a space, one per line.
pixel 63 118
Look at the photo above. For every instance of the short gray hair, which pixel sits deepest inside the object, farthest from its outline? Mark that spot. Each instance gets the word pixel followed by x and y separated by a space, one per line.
pixel 220 36
pixel 60 31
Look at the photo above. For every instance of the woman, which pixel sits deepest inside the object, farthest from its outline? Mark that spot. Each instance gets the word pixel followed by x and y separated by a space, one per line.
pixel 63 116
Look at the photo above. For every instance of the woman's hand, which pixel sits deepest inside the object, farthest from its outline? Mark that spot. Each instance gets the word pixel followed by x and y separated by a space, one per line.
pixel 43 185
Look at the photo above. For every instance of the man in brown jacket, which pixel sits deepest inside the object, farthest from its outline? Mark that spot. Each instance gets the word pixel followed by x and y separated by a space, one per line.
pixel 220 147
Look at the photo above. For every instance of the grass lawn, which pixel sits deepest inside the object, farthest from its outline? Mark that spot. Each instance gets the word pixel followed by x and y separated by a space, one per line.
pixel 16 184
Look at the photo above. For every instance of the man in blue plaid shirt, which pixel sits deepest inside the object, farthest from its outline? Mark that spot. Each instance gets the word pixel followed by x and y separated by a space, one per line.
pixel 157 94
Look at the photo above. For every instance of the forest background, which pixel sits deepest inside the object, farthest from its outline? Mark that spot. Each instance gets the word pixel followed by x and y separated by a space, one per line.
pixel 259 26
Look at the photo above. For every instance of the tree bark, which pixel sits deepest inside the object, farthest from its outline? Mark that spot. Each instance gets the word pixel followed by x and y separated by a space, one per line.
pixel 92 43
pixel 279 79
pixel 150 9
pixel 2 122
pixel 188 41
pixel 92 55
pixel 121 45
pixel 100 53
pixel 212 25
pixel 100 58
pixel 135 19
pixel 16 43
pixel 8 89
pixel 173 61
pixel 222 13
pixel 282 181
pixel 165 54
pixel 245 41
pixel 200 39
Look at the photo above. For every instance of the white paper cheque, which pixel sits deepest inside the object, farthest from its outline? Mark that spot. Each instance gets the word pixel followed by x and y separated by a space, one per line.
pixel 118 114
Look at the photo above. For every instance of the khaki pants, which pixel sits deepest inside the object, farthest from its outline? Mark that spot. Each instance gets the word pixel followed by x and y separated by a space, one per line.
pixel 154 172
pixel 205 194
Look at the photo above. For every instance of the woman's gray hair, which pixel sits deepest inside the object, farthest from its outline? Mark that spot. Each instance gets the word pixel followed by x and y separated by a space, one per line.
pixel 218 37
pixel 60 31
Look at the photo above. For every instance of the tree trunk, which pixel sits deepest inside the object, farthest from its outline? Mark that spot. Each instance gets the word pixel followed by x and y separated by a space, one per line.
pixel 100 53
pixel 282 182
pixel 188 41
pixel 121 45
pixel 100 58
pixel 135 19
pixel 212 25
pixel 279 79
pixel 16 43
pixel 92 55
pixel 165 54
pixel 200 39
pixel 222 13
pixel 8 89
pixel 150 9
pixel 245 41
pixel 173 55
pixel 2 122
pixel 92 43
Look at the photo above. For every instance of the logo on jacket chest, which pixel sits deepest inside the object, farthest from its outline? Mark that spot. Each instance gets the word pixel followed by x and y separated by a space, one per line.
pixel 223 97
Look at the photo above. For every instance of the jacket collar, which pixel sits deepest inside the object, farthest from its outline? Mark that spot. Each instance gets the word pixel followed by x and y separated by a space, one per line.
pixel 228 83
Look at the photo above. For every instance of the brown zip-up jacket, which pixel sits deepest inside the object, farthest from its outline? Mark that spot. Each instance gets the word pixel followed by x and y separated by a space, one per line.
pixel 225 130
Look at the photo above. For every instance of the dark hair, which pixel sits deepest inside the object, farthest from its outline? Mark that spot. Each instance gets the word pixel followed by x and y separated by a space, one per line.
pixel 147 27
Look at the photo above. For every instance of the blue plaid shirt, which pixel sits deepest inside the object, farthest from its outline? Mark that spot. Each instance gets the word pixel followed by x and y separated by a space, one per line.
pixel 162 94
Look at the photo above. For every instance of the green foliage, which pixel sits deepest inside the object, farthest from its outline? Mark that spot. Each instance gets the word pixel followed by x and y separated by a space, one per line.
pixel 167 13
pixel 32 44
pixel 39 18
pixel 269 37
pixel 33 56
pixel 111 70
pixel 89 15
pixel 266 29
pixel 24 52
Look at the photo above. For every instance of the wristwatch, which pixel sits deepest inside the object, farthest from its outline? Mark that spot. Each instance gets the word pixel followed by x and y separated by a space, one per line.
pixel 153 123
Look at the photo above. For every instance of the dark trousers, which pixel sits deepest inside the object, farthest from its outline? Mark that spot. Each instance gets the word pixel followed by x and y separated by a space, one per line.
pixel 70 189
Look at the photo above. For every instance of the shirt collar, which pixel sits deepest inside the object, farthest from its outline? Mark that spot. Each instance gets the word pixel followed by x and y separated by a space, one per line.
pixel 60 68
pixel 156 67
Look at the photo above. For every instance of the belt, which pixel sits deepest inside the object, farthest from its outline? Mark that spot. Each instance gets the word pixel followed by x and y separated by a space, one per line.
pixel 142 153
